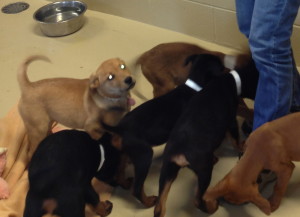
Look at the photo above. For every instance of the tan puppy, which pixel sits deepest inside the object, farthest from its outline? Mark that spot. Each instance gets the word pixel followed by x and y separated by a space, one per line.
pixel 75 103
pixel 272 146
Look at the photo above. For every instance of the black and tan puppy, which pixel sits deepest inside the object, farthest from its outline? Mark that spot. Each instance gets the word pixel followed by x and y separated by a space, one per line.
pixel 201 129
pixel 61 171
pixel 150 124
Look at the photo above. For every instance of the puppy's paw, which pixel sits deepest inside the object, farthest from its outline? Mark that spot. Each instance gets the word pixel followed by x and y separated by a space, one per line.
pixel 149 201
pixel 208 207
pixel 104 208
pixel 274 203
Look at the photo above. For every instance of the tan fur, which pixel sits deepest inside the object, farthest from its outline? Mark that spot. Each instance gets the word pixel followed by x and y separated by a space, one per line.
pixel 75 103
pixel 272 146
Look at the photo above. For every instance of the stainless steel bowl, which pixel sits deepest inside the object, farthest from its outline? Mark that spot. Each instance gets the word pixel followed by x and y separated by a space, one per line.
pixel 61 18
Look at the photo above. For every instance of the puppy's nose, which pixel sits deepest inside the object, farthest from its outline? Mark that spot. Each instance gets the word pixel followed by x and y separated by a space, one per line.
pixel 128 80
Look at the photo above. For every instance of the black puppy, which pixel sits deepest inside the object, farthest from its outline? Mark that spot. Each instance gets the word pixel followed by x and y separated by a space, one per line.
pixel 150 123
pixel 61 171
pixel 201 129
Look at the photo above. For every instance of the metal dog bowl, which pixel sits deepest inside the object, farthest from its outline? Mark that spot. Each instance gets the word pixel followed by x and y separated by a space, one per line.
pixel 61 18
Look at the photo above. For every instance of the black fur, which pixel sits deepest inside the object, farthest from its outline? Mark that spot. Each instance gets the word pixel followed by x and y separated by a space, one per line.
pixel 61 170
pixel 150 123
pixel 201 129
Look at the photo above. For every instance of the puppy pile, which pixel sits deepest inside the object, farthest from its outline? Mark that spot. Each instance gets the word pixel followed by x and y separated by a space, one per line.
pixel 197 97
pixel 150 124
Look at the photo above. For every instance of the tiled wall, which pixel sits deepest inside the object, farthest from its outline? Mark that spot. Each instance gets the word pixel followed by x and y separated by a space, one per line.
pixel 211 20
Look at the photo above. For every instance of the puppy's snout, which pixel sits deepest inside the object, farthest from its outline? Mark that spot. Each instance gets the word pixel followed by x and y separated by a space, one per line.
pixel 128 80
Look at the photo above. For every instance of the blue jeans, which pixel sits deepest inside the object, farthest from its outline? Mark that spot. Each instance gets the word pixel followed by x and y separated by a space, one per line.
pixel 268 25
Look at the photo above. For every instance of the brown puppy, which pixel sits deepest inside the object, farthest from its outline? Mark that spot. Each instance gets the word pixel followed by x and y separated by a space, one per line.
pixel 164 67
pixel 272 146
pixel 75 103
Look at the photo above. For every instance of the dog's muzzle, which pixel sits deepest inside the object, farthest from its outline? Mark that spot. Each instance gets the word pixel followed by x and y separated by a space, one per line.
pixel 130 82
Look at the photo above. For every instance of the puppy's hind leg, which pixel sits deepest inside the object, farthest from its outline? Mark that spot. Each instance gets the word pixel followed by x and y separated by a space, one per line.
pixel 33 206
pixel 203 170
pixel 36 135
pixel 38 126
pixel 70 201
pixel 168 174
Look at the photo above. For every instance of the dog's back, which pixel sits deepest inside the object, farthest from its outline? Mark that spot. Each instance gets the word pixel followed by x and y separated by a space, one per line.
pixel 207 117
pixel 70 155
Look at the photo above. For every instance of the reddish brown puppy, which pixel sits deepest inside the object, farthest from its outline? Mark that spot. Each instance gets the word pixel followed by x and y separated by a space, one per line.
pixel 272 146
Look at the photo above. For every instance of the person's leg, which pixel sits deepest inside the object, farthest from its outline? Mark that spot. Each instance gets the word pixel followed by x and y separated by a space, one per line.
pixel 296 89
pixel 269 40
pixel 244 10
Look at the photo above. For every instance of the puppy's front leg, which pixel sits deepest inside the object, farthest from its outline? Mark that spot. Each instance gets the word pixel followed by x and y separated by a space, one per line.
pixel 120 178
pixel 102 208
pixel 94 129
pixel 284 174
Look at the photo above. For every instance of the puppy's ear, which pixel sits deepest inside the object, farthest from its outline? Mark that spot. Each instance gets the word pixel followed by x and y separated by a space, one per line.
pixel 94 81
pixel 190 59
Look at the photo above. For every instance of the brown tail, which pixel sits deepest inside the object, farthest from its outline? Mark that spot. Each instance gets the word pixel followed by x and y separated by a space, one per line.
pixel 22 73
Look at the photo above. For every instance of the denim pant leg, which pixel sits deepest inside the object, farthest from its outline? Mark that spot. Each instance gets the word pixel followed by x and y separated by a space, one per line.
pixel 269 40
pixel 296 88
pixel 244 11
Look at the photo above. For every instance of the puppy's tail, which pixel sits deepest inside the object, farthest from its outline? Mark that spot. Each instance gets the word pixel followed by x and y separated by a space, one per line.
pixel 22 73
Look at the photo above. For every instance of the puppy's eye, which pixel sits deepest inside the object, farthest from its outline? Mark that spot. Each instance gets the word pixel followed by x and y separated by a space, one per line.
pixel 111 77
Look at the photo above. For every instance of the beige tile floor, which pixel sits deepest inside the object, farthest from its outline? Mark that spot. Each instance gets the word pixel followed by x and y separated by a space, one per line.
pixel 78 55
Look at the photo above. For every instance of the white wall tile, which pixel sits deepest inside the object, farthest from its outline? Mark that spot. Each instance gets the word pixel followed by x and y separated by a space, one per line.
pixel 226 30
pixel 225 4
pixel 211 20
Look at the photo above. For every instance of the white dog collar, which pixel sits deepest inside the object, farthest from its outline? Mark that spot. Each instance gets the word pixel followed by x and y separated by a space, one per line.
pixel 237 81
pixel 190 83
pixel 102 157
